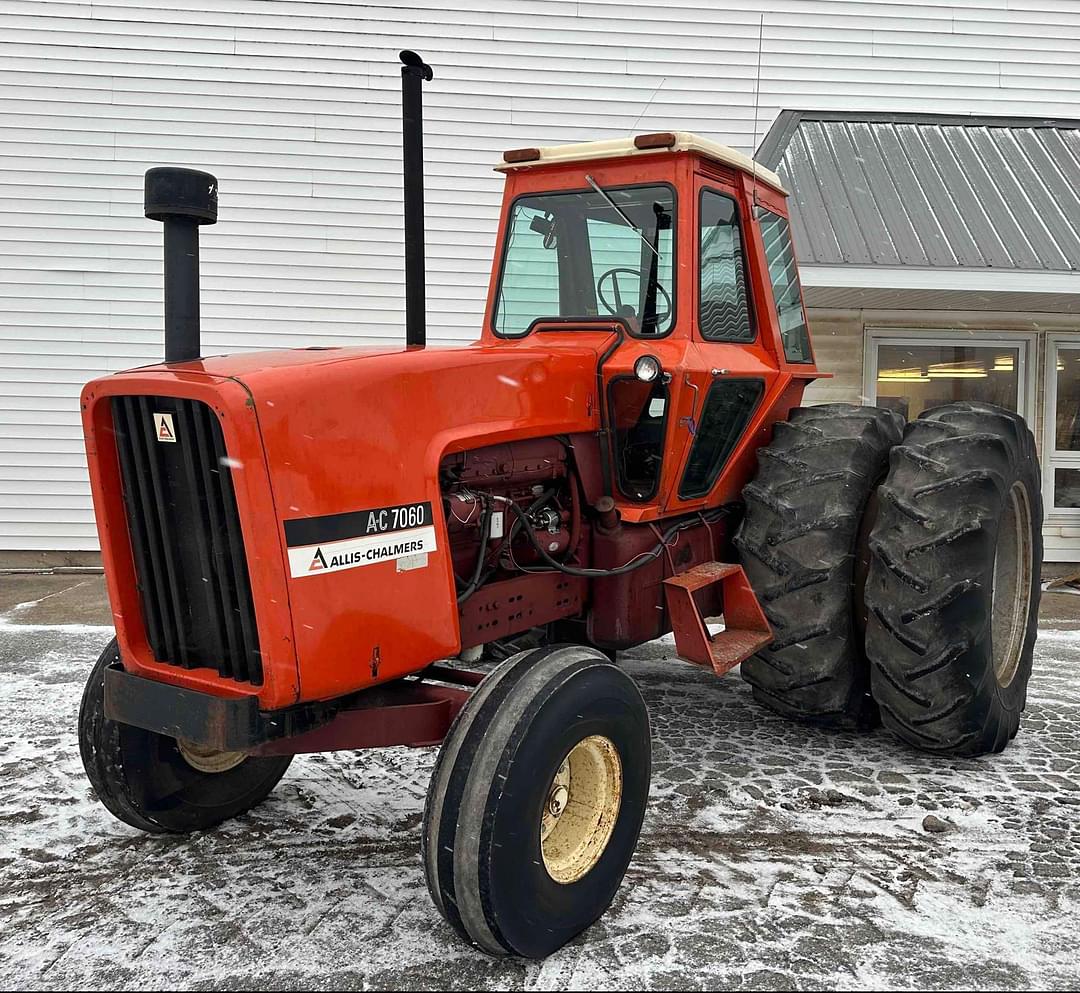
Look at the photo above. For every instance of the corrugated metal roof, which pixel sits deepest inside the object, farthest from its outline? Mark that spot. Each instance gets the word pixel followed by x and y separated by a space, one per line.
pixel 927 190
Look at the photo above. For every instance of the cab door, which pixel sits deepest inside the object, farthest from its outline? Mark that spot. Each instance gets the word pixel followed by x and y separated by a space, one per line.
pixel 729 369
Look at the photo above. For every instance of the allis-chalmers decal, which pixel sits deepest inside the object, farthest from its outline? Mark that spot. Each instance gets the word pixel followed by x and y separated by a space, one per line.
pixel 319 545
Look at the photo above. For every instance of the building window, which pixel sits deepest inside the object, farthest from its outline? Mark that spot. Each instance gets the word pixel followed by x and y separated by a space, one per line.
pixel 912 376
pixel 1061 455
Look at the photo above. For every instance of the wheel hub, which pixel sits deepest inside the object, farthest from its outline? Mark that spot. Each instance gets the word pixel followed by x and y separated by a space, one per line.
pixel 208 759
pixel 557 801
pixel 581 809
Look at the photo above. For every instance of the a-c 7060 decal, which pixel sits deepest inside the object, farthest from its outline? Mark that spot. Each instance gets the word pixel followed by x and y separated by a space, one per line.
pixel 363 537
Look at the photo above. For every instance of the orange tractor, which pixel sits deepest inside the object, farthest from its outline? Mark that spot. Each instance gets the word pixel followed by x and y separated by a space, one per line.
pixel 311 549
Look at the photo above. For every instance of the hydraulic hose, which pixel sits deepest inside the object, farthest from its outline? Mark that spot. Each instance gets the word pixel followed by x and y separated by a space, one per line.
pixel 480 575
pixel 643 558
pixel 485 536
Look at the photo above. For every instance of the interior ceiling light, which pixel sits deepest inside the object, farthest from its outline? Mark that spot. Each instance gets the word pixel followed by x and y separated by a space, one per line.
pixel 915 373
pixel 970 369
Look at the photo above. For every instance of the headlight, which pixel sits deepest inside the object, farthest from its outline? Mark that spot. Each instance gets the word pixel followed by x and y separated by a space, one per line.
pixel 647 368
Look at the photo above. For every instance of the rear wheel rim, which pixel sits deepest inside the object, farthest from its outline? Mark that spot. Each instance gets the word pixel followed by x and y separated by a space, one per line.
pixel 1013 576
pixel 581 808
pixel 208 759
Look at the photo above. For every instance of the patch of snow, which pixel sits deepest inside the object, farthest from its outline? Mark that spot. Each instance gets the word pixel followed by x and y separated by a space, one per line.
pixel 773 855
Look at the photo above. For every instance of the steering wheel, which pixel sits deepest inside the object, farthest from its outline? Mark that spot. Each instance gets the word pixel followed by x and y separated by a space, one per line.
pixel 621 309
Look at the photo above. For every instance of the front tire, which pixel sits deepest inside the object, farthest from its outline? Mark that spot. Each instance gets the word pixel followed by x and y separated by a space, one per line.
pixel 799 544
pixel 536 801
pixel 158 784
pixel 953 588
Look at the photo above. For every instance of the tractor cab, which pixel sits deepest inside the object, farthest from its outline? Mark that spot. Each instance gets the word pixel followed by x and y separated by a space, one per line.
pixel 679 248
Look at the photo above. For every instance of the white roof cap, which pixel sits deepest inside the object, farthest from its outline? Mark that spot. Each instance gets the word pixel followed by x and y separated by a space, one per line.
pixel 685 141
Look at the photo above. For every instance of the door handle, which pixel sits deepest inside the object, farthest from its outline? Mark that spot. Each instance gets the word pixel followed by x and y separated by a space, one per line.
pixel 690 423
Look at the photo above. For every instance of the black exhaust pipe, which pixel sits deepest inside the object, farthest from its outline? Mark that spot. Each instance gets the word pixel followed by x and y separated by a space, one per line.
pixel 182 199
pixel 413 73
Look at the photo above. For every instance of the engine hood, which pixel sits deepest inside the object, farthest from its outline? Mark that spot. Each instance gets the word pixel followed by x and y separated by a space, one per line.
pixel 347 439
pixel 360 432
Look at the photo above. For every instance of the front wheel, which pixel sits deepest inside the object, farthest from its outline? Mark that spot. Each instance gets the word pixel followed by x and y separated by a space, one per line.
pixel 157 783
pixel 953 588
pixel 537 800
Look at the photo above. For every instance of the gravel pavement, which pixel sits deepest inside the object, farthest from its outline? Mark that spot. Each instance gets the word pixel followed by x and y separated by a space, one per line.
pixel 773 856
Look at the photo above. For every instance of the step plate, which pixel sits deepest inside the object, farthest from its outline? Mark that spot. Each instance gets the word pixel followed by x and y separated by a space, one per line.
pixel 746 628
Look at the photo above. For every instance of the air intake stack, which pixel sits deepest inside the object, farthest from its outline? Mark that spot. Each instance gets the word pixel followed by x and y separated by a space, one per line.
pixel 182 199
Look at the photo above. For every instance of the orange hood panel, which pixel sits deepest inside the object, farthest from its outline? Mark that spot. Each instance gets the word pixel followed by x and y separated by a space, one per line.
pixel 339 433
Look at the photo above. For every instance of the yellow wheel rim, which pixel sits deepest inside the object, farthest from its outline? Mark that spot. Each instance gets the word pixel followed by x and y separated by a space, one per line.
pixel 1013 582
pixel 581 808
pixel 208 759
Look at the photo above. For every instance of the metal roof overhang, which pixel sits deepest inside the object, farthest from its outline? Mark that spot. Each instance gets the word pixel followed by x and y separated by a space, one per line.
pixel 904 211
pixel 846 287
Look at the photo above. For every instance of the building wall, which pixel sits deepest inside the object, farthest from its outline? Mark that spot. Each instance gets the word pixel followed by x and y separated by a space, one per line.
pixel 837 337
pixel 294 105
pixel 840 344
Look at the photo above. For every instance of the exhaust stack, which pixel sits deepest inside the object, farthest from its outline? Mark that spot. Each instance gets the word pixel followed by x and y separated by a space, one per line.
pixel 182 199
pixel 413 73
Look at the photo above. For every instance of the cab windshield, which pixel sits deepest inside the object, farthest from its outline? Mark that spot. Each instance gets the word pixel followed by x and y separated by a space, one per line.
pixel 588 255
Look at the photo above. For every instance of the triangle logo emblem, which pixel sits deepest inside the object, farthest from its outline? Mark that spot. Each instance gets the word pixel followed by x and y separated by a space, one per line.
pixel 318 562
pixel 164 430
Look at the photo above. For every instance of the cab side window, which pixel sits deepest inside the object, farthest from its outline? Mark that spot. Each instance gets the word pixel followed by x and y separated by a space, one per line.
pixel 729 405
pixel 723 305
pixel 780 256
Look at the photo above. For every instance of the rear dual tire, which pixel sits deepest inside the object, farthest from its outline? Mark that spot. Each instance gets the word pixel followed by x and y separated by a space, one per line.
pixel 537 800
pixel 953 588
pixel 899 574
pixel 799 545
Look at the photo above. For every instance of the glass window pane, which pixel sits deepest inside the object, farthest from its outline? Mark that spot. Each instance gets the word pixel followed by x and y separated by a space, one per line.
pixel 1067 428
pixel 914 377
pixel 723 311
pixel 1067 487
pixel 614 246
pixel 729 405
pixel 530 278
pixel 780 255
pixel 574 255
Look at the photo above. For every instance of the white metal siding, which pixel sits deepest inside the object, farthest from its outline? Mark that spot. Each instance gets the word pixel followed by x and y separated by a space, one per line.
pixel 294 105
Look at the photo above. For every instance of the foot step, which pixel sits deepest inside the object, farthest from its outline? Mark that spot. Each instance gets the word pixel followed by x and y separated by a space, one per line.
pixel 745 626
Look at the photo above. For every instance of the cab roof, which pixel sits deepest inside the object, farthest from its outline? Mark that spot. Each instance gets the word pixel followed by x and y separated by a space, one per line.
pixel 669 141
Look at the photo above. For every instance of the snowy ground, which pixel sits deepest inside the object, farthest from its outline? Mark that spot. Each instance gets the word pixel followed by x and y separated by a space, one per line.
pixel 773 856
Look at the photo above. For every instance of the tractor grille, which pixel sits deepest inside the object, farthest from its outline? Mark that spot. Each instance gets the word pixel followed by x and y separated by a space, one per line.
pixel 185 533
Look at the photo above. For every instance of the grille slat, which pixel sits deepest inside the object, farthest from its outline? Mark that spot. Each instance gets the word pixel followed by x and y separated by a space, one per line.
pixel 162 508
pixel 192 457
pixel 248 660
pixel 226 588
pixel 190 560
pixel 150 568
